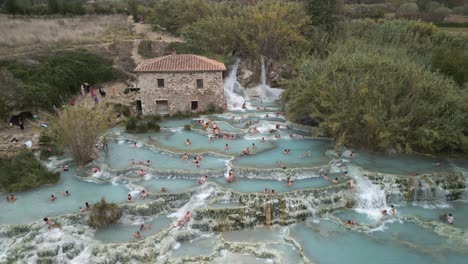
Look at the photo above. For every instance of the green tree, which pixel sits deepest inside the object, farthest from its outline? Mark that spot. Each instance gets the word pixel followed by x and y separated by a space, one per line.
pixel 11 7
pixel 363 97
pixel 133 9
pixel 78 129
pixel 324 13
pixel 453 63
pixel 173 15
pixel 53 6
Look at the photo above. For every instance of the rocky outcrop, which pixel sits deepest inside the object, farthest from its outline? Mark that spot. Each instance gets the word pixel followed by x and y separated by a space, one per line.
pixel 266 209
pixel 449 186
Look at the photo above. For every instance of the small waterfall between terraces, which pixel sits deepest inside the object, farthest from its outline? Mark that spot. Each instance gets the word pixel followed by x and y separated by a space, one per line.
pixel 370 198
pixel 234 92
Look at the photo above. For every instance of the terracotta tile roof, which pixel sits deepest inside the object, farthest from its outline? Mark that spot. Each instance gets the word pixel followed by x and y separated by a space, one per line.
pixel 180 63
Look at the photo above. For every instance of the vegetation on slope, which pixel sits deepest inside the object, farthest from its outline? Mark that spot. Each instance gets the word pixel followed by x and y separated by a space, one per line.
pixel 384 88
pixel 23 172
pixel 47 80
pixel 78 129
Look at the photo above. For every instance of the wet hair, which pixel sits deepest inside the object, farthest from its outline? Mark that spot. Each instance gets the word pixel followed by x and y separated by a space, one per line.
pixel 391 206
pixel 450 214
pixel 87 205
pixel 52 195
pixel 142 226
pixel 143 191
pixel 46 219
pixel 346 172
pixel 66 191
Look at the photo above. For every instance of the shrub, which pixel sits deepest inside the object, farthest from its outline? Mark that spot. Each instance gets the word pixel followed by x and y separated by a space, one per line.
pixel 51 79
pixel 131 124
pixel 78 129
pixel 154 127
pixel 349 203
pixel 187 127
pixel 103 214
pixel 23 172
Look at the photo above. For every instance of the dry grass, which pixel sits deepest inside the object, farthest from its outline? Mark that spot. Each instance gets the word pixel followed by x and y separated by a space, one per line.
pixel 23 34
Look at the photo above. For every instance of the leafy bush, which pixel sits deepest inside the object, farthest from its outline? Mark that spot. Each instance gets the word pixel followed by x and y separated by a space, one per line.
pixel 48 80
pixel 366 98
pixel 143 124
pixel 23 172
pixel 78 129
pixel 131 124
pixel 48 148
pixel 461 10
pixel 103 214
pixel 173 15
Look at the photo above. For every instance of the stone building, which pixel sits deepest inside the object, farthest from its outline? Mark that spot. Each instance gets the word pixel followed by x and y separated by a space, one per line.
pixel 179 82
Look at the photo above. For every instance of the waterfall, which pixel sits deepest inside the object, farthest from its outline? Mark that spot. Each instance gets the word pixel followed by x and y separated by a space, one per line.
pixel 370 198
pixel 263 89
pixel 234 92
pixel 263 73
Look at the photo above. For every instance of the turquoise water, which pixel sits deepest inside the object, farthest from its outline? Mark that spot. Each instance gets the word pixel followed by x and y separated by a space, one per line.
pixel 328 242
pixel 120 155
pixel 34 205
pixel 120 232
pixel 196 247
pixel 298 147
pixel 247 185
pixel 399 164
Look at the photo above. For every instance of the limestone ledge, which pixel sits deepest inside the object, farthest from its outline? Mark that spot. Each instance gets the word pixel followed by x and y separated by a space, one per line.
pixel 425 187
pixel 265 209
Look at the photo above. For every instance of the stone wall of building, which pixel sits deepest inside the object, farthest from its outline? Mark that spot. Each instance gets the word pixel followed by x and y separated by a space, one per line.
pixel 180 88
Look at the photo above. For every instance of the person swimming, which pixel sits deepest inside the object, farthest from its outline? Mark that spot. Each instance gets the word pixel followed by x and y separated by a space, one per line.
pixel 12 198
pixel 129 198
pixel 346 175
pixel 184 220
pixel 392 210
pixel 230 177
pixel 253 146
pixel 351 184
pixel 66 193
pixel 273 192
pixel 140 172
pixel 187 142
pixel 350 222
pixel 163 189
pixel 263 140
pixel 185 156
pixel 50 224
pixel 325 177
pixel 384 212
pixel 144 227
pixel 203 179
pixel 289 182
pixel 226 147
pixel 65 167
pixel 335 181
pixel 148 163
pixel 52 198
pixel 450 219
pixel 143 195
pixel 137 235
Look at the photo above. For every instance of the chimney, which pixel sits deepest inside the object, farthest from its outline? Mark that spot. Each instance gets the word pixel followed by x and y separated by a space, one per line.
pixel 173 52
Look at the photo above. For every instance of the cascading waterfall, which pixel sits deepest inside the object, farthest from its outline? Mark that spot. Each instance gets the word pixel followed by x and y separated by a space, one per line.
pixel 234 92
pixel 263 73
pixel 263 89
pixel 370 197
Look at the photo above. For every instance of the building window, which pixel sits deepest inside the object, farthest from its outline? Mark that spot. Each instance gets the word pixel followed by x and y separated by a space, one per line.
pixel 199 83
pixel 160 83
